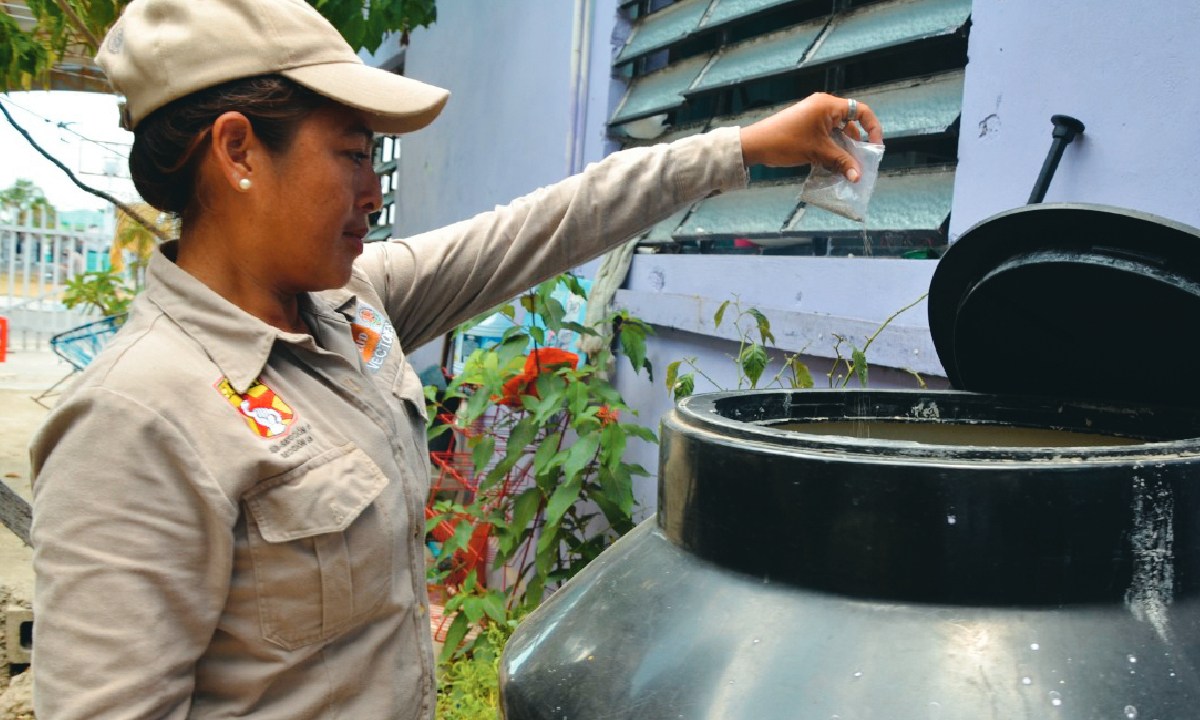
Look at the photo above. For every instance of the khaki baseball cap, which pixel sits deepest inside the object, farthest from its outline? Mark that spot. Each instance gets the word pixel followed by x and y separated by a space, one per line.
pixel 162 50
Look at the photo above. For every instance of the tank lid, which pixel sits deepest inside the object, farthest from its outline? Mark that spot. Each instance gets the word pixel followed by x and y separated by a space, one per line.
pixel 1071 300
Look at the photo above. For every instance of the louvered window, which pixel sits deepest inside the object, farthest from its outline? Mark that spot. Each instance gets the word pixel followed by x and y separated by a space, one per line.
pixel 695 65
pixel 386 158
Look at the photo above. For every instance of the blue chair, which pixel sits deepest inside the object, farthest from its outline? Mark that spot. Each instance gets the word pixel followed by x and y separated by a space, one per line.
pixel 79 346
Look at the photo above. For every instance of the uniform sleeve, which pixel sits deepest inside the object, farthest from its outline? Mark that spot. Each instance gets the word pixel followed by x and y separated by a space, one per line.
pixel 433 281
pixel 133 548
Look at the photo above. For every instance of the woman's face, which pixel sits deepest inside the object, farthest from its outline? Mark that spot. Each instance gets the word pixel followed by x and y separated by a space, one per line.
pixel 316 197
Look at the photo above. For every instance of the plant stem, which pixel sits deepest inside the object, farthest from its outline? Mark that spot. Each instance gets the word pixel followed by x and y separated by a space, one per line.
pixel 703 374
pixel 892 317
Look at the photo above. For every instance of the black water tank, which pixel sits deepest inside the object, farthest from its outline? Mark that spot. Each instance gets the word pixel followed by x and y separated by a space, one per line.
pixel 1028 549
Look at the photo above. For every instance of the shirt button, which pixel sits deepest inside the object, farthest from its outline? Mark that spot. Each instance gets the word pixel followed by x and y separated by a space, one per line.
pixel 420 611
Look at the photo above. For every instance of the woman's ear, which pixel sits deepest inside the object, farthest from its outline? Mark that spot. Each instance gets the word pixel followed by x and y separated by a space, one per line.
pixel 235 149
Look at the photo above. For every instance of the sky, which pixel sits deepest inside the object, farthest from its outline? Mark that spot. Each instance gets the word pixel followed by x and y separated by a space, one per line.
pixel 90 142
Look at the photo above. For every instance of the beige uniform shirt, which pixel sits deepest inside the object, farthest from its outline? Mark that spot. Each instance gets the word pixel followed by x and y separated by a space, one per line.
pixel 228 518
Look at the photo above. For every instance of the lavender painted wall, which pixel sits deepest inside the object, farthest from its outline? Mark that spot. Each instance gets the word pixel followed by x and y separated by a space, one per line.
pixel 507 127
pixel 507 130
pixel 515 103
pixel 1126 69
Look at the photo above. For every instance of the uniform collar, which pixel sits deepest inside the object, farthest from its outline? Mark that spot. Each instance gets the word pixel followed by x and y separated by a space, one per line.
pixel 237 342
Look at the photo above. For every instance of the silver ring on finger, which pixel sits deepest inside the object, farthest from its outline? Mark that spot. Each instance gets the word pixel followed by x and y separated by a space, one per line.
pixel 851 110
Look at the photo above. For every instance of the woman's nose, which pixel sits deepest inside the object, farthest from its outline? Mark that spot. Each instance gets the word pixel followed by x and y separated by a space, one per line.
pixel 371 197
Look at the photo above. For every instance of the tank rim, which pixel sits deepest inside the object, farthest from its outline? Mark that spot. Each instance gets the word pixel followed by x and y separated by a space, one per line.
pixel 710 413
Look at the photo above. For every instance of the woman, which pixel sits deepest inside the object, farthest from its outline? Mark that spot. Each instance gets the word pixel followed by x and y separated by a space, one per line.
pixel 228 504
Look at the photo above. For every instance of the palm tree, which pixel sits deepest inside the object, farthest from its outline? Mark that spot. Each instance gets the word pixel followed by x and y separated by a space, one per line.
pixel 24 203
pixel 133 234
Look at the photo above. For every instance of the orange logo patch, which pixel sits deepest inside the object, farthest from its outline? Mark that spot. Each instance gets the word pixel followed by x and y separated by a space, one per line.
pixel 373 335
pixel 264 411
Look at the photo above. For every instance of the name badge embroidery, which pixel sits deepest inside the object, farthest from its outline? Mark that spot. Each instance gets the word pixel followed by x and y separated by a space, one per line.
pixel 373 335
pixel 264 411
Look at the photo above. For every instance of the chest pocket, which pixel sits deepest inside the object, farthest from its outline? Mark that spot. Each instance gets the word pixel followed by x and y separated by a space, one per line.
pixel 321 545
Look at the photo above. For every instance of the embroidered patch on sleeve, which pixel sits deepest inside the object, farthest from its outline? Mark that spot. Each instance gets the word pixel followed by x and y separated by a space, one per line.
pixel 265 412
pixel 373 335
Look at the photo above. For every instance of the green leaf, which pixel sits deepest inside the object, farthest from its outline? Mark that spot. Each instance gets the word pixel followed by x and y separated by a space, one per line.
pixel 546 555
pixel 605 394
pixel 859 358
pixel 497 473
pixel 476 405
pixel 764 326
pixel 473 608
pixel 577 397
pixel 753 361
pixel 638 470
pixel 620 521
pixel 493 606
pixel 510 354
pixel 521 436
pixel 552 314
pixel 617 483
pixel 580 328
pixel 684 386
pixel 580 454
pixel 454 637
pixel 801 377
pixel 483 452
pixel 525 507
pixel 551 391
pixel 640 432
pixel 672 374
pixel 573 285
pixel 633 344
pixel 535 590
pixel 564 497
pixel 434 431
pixel 720 314
pixel 612 444
pixel 548 456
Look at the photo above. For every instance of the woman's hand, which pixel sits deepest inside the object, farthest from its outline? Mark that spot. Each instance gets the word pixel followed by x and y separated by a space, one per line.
pixel 802 134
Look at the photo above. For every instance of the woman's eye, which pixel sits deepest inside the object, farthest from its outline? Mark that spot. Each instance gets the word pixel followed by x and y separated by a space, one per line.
pixel 359 157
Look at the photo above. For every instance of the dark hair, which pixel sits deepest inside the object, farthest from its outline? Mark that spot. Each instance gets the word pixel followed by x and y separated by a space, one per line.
pixel 167 143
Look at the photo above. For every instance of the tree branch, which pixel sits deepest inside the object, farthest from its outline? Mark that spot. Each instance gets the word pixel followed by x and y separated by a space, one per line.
pixel 78 23
pixel 78 183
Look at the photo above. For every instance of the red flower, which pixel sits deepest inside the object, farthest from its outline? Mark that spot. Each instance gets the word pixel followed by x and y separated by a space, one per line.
pixel 539 361
pixel 607 415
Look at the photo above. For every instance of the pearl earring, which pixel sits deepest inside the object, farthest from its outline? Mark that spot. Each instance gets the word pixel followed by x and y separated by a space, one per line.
pixel 244 184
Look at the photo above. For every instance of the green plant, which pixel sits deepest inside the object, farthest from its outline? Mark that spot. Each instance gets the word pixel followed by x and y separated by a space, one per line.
pixel 138 232
pixel 547 435
pixel 104 290
pixel 469 685
pixel 752 356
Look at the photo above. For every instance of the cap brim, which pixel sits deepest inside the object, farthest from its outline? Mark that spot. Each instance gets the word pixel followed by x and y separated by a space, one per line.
pixel 393 103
